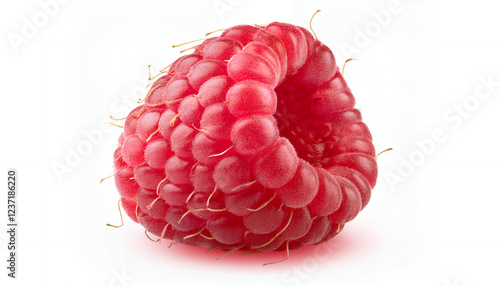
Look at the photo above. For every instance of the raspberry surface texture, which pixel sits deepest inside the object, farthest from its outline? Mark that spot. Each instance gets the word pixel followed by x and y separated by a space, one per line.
pixel 251 142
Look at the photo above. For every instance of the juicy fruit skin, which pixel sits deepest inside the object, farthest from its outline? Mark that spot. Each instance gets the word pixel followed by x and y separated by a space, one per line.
pixel 251 142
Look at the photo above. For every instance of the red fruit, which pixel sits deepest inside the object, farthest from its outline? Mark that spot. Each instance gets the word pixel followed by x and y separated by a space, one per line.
pixel 297 224
pixel 351 202
pixel 181 139
pixel 329 196
pixel 254 133
pixel 182 220
pixel 177 89
pixel 133 150
pixel 145 198
pixel 204 149
pixel 131 209
pixel 205 70
pixel 302 188
pixel 157 152
pixel 174 195
pixel 266 220
pixel 190 111
pixel 245 201
pixel 252 142
pixel 202 178
pixel 147 124
pixel 125 183
pixel 240 170
pixel 277 165
pixel 227 229
pixel 249 65
pixel 216 121
pixel 251 97
pixel 214 90
pixel 222 49
pixel 319 68
pixel 295 44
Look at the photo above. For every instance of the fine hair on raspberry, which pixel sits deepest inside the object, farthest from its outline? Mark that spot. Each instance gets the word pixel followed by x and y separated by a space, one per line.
pixel 251 142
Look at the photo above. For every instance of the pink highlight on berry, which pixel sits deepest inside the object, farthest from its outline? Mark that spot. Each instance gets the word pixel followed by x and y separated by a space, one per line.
pixel 130 207
pixel 214 90
pixel 204 149
pixel 302 188
pixel 252 134
pixel 351 202
pixel 227 229
pixel 241 203
pixel 190 111
pixel 147 177
pixel 266 220
pixel 182 65
pixel 181 141
pixel 204 70
pixel 133 150
pixel 157 152
pixel 177 170
pixel 150 205
pixel 295 44
pixel 177 89
pixel 241 33
pixel 202 178
pixel 222 49
pixel 217 121
pixel 147 125
pixel 125 183
pixel 244 66
pixel 251 97
pixel 329 195
pixel 232 172
pixel 174 195
pixel 278 165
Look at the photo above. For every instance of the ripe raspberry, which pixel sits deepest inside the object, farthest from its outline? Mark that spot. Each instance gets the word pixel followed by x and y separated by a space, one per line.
pixel 252 142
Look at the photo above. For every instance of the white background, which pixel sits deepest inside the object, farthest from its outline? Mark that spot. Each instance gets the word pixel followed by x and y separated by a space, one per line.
pixel 433 217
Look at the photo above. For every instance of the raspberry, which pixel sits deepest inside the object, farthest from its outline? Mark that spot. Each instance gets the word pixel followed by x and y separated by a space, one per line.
pixel 252 142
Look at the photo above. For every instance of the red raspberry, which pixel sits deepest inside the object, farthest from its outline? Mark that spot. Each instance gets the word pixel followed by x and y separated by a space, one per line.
pixel 252 142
